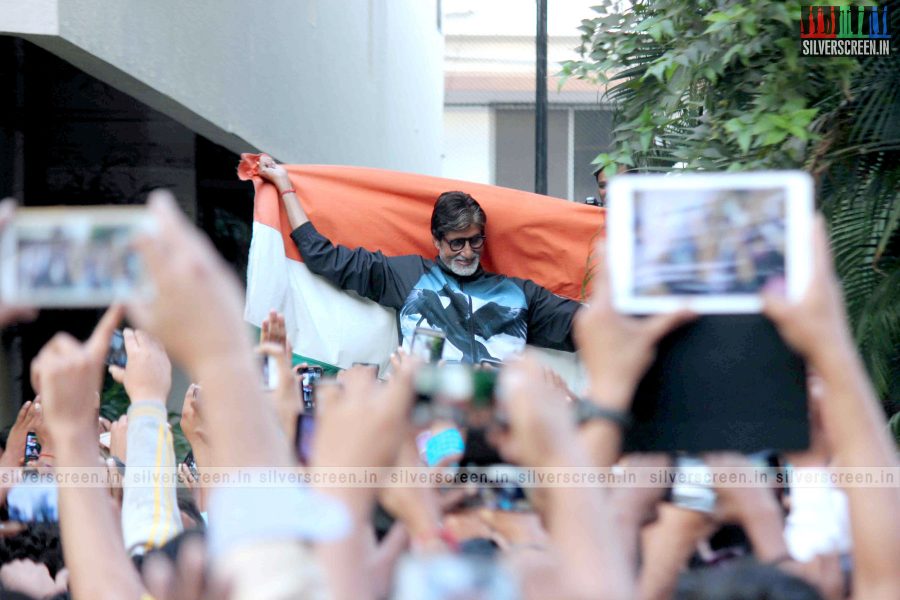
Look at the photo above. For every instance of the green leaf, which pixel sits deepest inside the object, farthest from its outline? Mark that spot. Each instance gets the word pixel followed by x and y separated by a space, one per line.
pixel 744 137
pixel 657 70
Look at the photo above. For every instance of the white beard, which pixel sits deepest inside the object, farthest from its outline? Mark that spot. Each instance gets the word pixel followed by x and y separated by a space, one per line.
pixel 464 271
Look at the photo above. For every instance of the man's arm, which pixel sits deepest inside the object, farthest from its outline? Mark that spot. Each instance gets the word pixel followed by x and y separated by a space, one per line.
pixel 816 327
pixel 386 280
pixel 68 373
pixel 549 318
pixel 370 274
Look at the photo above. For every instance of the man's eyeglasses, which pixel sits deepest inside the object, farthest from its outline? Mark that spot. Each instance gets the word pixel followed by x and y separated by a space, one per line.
pixel 475 242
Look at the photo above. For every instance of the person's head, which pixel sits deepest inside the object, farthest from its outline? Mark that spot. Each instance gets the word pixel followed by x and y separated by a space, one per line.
pixel 457 229
pixel 600 176
pixel 40 543
pixel 743 580
pixel 602 181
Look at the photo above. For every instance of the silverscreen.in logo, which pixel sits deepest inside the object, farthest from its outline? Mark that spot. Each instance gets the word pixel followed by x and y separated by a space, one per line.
pixel 845 31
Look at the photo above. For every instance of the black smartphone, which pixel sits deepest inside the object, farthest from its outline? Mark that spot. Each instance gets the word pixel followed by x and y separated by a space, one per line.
pixel 116 355
pixel 308 378
pixel 32 447
pixel 192 464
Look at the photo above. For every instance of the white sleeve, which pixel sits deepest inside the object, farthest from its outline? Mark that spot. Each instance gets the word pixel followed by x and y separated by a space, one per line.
pixel 150 515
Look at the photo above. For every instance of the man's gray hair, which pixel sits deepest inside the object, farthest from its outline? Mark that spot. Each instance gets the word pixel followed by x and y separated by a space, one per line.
pixel 455 211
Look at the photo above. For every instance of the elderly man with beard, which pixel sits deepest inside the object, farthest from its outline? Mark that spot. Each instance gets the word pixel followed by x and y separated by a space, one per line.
pixel 485 316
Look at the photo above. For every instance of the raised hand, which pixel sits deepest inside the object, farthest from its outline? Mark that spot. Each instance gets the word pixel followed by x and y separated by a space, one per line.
pixel 148 373
pixel 273 172
pixel 286 397
pixel 192 422
pixel 366 426
pixel 541 425
pixel 273 330
pixel 14 454
pixel 68 374
pixel 816 326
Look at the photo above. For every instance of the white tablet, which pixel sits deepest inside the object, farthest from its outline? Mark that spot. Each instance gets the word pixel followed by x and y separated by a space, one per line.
pixel 73 256
pixel 709 242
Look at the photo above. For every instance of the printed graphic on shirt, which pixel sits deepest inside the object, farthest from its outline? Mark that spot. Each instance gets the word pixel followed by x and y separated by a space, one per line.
pixel 483 320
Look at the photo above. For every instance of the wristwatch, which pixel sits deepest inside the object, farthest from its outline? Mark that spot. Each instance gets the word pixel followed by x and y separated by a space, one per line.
pixel 586 410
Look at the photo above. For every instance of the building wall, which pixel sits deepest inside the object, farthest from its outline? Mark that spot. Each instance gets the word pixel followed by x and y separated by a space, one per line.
pixel 468 144
pixel 309 81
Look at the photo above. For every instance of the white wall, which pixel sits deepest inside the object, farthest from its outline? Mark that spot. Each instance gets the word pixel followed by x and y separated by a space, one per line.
pixel 309 81
pixel 468 144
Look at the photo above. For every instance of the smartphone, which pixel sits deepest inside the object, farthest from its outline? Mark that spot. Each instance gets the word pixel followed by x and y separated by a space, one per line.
pixel 32 447
pixel 74 256
pixel 192 465
pixel 427 344
pixel 116 355
pixel 308 378
pixel 692 494
pixel 34 500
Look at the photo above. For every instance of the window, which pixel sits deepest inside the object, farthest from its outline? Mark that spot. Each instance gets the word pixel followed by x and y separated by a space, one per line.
pixel 495 144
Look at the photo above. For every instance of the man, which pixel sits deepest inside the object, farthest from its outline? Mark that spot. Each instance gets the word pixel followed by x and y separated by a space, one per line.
pixel 485 316
pixel 600 176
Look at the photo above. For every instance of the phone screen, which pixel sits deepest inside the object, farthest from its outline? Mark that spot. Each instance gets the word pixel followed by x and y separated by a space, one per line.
pixel 427 344
pixel 32 447
pixel 116 355
pixel 308 378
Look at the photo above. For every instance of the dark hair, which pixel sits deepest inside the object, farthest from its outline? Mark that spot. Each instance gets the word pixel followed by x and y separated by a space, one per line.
pixel 743 579
pixel 39 543
pixel 455 211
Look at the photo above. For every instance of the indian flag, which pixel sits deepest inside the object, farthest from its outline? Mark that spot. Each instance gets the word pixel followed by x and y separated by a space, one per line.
pixel 535 237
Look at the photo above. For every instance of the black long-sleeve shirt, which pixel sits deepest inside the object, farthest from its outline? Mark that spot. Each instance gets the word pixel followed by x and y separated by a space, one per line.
pixel 484 315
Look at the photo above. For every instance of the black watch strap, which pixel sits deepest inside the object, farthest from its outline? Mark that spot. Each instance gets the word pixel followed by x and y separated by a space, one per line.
pixel 586 410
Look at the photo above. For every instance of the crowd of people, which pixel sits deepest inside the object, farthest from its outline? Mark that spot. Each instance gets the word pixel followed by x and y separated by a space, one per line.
pixel 188 539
